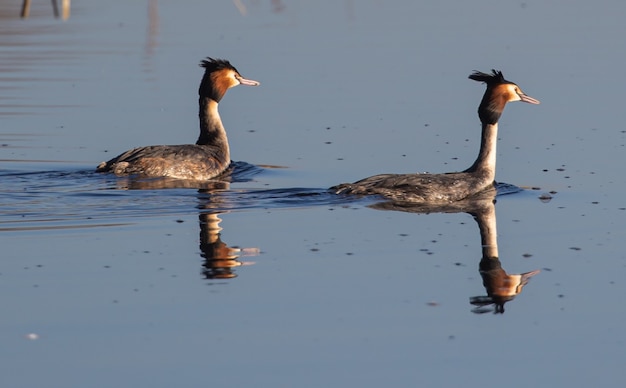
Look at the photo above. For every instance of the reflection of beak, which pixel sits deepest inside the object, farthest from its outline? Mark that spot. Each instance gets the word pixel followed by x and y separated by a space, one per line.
pixel 250 82
pixel 528 99
pixel 524 278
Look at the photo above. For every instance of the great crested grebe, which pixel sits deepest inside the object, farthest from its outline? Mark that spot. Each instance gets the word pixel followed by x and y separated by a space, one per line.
pixel 449 187
pixel 206 159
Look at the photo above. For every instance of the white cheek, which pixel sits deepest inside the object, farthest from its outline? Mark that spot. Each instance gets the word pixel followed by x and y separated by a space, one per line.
pixel 233 82
pixel 515 94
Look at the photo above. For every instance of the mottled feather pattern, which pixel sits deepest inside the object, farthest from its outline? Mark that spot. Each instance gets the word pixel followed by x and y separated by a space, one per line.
pixel 441 188
pixel 180 161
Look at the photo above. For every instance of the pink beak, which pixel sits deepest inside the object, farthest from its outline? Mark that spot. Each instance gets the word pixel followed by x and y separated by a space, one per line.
pixel 248 82
pixel 528 99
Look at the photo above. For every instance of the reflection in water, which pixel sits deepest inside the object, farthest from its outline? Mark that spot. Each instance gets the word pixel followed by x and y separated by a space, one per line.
pixel 217 198
pixel 139 183
pixel 501 287
pixel 152 35
pixel 277 6
pixel 236 172
pixel 65 9
pixel 219 258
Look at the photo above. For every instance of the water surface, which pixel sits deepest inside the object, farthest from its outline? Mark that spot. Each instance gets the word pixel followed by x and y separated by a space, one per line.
pixel 269 280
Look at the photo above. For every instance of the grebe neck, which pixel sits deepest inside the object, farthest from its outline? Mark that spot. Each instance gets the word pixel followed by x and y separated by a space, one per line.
pixel 486 161
pixel 211 128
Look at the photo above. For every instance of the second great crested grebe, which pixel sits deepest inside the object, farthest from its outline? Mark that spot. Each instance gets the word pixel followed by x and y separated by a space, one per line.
pixel 206 159
pixel 453 186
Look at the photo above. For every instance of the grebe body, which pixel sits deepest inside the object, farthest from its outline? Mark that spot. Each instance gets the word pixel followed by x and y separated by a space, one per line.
pixel 455 186
pixel 206 159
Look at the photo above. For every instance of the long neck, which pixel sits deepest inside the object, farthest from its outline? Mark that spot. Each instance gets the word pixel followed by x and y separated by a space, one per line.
pixel 486 161
pixel 212 130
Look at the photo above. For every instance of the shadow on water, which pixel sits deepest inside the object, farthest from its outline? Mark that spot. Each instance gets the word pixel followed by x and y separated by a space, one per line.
pixel 500 286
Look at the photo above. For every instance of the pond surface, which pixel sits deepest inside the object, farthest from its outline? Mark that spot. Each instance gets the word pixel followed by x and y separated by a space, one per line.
pixel 269 281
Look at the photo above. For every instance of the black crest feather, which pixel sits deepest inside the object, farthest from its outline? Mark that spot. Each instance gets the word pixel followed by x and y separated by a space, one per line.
pixel 495 78
pixel 490 109
pixel 215 64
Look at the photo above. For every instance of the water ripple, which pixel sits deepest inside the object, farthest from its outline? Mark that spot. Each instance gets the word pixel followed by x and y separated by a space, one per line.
pixel 74 199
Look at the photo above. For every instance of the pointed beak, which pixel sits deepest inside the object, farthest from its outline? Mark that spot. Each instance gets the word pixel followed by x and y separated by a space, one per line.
pixel 528 99
pixel 248 82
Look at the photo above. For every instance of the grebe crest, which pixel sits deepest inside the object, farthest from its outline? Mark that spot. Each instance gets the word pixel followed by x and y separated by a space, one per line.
pixel 455 186
pixel 499 92
pixel 220 76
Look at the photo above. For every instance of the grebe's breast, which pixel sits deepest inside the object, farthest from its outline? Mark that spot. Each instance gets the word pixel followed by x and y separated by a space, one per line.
pixel 188 161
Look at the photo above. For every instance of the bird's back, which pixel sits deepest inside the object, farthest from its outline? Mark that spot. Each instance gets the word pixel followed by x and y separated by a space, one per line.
pixel 188 161
pixel 417 187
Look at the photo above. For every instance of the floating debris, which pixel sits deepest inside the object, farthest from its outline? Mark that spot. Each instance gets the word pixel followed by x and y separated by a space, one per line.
pixel 545 197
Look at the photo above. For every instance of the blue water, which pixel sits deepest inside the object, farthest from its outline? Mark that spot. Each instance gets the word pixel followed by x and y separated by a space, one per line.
pixel 270 281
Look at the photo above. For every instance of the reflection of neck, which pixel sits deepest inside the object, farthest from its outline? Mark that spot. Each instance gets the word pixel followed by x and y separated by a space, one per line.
pixel 486 161
pixel 209 228
pixel 486 219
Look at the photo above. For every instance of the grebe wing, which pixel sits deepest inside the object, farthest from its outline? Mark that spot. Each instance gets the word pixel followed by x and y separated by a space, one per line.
pixel 412 187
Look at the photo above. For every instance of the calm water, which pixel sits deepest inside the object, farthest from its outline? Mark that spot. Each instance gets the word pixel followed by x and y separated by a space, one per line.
pixel 271 282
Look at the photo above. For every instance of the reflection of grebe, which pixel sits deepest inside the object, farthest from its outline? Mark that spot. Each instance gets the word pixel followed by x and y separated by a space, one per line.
pixel 206 159
pixel 219 258
pixel 451 186
pixel 501 287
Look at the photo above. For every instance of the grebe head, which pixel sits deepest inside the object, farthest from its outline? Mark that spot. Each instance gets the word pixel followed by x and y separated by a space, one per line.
pixel 219 76
pixel 499 92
